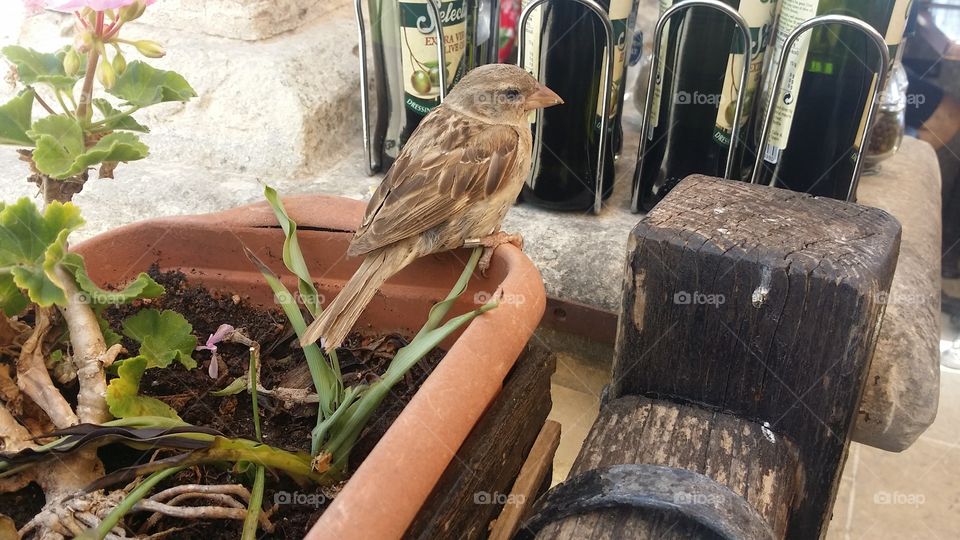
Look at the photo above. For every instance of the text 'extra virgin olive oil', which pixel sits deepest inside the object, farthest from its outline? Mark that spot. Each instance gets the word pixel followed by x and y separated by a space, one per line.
pixel 568 57
pixel 820 115
pixel 408 68
pixel 702 56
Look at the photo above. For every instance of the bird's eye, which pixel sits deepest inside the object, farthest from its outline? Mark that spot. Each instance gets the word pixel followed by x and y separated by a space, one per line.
pixel 512 94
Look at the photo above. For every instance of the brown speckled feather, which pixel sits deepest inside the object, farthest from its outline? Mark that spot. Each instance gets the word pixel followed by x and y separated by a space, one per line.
pixel 435 179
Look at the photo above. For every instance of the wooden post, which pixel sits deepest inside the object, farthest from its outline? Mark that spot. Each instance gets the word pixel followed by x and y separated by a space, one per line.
pixel 474 488
pixel 754 307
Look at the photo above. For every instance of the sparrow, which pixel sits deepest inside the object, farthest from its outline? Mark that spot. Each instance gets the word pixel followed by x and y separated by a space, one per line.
pixel 450 187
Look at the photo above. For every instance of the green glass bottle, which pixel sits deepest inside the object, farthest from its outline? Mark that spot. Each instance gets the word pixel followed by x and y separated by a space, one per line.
pixel 694 103
pixel 407 65
pixel 568 58
pixel 820 114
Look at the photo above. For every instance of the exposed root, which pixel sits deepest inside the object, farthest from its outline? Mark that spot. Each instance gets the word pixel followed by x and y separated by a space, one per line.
pixel 33 379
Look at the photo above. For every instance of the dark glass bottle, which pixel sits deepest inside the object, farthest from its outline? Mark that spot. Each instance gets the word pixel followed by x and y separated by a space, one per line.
pixel 821 112
pixel 693 107
pixel 407 67
pixel 568 58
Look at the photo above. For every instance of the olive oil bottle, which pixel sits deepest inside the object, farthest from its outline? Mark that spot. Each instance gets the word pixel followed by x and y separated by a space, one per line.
pixel 694 103
pixel 569 58
pixel 408 68
pixel 820 115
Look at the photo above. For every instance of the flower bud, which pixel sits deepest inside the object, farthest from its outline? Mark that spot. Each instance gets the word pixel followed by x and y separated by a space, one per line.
pixel 119 64
pixel 150 49
pixel 71 62
pixel 106 74
pixel 132 11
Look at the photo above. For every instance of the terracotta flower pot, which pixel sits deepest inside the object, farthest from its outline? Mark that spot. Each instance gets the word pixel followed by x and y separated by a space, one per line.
pixel 387 490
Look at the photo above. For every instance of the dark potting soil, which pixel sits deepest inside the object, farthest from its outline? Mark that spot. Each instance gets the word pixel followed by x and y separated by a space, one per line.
pixel 362 358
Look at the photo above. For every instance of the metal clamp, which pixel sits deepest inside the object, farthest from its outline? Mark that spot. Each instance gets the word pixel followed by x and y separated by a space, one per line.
pixel 373 158
pixel 881 45
pixel 685 495
pixel 601 14
pixel 679 7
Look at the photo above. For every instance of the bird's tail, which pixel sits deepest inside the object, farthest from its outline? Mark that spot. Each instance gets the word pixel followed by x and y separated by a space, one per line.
pixel 336 321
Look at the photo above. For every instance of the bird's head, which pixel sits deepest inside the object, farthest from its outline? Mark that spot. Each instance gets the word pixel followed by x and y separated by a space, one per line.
pixel 501 92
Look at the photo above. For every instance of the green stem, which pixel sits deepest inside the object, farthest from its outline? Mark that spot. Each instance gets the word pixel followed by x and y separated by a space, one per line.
pixel 63 105
pixel 254 361
pixel 251 522
pixel 114 118
pixel 132 498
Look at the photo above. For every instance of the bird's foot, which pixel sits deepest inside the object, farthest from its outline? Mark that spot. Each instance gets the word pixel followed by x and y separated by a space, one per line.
pixel 491 243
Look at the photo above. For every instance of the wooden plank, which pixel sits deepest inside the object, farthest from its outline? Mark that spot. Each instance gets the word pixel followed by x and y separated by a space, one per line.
pixel 529 481
pixel 472 490
pixel 747 458
pixel 765 304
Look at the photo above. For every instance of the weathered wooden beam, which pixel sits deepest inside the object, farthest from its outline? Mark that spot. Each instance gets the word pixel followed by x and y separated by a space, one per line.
pixel 764 304
pixel 472 491
pixel 755 464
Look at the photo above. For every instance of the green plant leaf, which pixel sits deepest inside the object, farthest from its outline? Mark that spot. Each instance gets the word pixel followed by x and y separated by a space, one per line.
pixel 238 385
pixel 142 287
pixel 12 301
pixel 15 119
pixel 60 151
pixel 45 68
pixel 110 337
pixel 163 336
pixel 142 85
pixel 119 122
pixel 31 246
pixel 123 397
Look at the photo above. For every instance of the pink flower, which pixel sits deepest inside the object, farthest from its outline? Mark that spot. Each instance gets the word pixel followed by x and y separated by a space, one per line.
pixel 211 345
pixel 72 5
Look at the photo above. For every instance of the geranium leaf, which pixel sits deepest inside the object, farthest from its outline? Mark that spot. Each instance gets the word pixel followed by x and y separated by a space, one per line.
pixel 60 151
pixel 142 287
pixel 32 244
pixel 15 119
pixel 12 301
pixel 163 336
pixel 126 122
pixel 123 397
pixel 142 85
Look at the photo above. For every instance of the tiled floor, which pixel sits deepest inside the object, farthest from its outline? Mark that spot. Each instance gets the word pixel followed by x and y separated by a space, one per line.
pixel 914 494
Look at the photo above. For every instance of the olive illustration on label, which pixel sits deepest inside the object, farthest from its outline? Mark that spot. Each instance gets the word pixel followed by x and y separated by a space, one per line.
pixel 421 81
pixel 435 75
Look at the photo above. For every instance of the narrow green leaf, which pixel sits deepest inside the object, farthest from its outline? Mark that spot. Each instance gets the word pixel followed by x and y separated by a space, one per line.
pixel 120 121
pixel 15 119
pixel 123 397
pixel 142 85
pixel 238 385
pixel 31 245
pixel 163 336
pixel 251 521
pixel 440 309
pixel 292 256
pixel 128 502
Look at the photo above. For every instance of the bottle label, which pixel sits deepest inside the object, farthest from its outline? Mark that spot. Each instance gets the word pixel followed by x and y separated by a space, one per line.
pixel 619 12
pixel 418 50
pixel 531 46
pixel 654 120
pixel 759 16
pixel 793 13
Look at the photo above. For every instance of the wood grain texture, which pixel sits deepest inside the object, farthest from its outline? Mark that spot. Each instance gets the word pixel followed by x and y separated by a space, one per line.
pixel 764 304
pixel 745 457
pixel 464 501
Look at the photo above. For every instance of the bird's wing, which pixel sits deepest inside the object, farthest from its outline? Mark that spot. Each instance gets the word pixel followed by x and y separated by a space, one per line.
pixel 450 163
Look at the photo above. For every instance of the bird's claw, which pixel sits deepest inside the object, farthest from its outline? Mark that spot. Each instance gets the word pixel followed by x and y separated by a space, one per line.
pixel 491 243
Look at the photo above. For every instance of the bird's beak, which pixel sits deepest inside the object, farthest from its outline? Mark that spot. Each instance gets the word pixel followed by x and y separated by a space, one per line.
pixel 542 98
